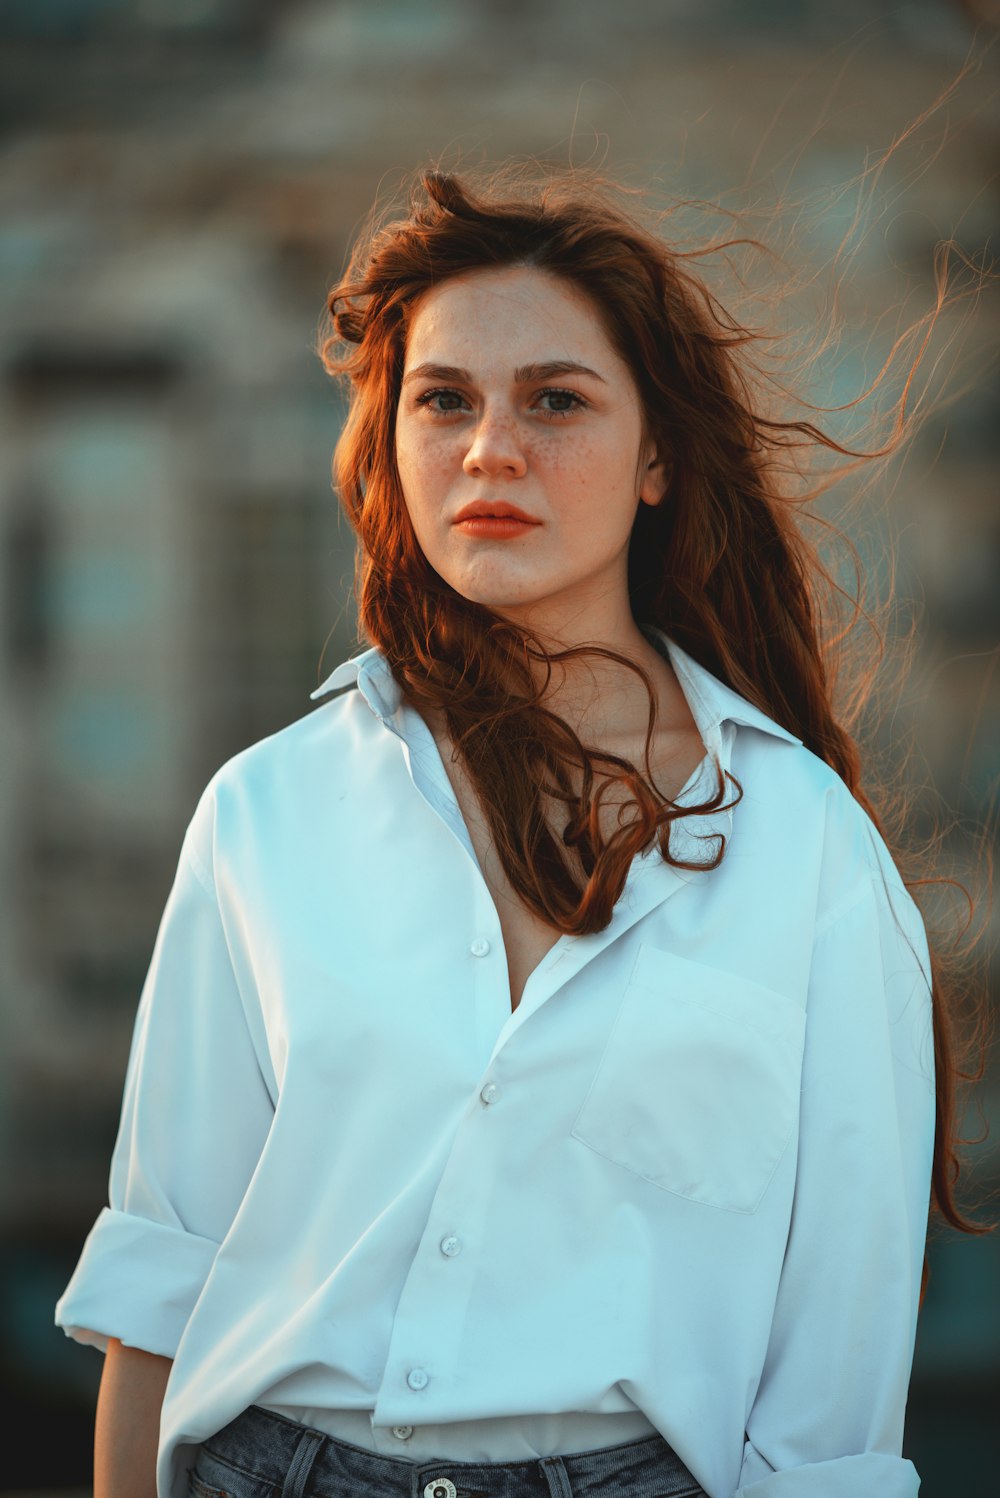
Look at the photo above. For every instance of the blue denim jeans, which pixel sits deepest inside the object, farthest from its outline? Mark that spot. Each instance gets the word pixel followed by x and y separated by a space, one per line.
pixel 263 1455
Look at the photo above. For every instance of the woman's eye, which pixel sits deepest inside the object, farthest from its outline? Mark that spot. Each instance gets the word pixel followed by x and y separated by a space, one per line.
pixel 441 402
pixel 551 402
pixel 560 402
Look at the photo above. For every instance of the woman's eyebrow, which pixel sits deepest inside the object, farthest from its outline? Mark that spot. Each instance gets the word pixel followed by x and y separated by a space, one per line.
pixel 526 374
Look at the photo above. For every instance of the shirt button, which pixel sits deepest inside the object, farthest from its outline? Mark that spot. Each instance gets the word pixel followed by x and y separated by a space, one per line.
pixel 402 1432
pixel 451 1245
pixel 480 947
pixel 418 1378
pixel 488 1093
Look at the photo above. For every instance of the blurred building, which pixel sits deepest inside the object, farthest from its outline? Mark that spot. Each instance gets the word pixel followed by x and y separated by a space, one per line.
pixel 179 182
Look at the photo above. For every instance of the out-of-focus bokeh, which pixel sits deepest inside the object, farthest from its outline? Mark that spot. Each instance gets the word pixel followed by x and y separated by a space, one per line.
pixel 180 181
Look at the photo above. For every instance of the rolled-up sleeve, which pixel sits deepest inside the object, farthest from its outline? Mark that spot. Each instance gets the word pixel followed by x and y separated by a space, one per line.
pixel 194 1118
pixel 827 1419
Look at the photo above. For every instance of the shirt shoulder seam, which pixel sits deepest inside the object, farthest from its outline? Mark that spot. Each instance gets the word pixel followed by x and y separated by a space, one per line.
pixel 842 909
pixel 199 870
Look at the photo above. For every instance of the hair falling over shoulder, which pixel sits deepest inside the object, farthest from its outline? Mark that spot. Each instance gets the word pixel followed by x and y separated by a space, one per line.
pixel 726 566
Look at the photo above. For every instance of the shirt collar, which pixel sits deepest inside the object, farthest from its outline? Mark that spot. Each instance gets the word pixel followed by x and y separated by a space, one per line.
pixel 712 703
pixel 370 671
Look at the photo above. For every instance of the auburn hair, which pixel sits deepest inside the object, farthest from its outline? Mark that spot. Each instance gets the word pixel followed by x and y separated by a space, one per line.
pixel 724 565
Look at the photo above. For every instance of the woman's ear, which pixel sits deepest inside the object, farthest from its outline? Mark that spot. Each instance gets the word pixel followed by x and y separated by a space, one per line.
pixel 655 478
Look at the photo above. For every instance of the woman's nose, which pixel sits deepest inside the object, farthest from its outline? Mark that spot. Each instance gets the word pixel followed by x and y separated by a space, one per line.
pixel 496 448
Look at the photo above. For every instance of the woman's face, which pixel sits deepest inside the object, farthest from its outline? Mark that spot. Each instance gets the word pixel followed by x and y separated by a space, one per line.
pixel 512 395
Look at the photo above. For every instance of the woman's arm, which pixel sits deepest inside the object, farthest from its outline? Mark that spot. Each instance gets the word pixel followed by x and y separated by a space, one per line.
pixel 127 1432
pixel 195 1116
pixel 828 1414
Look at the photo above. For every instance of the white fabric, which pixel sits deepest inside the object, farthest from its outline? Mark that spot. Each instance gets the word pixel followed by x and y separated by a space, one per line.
pixel 682 1187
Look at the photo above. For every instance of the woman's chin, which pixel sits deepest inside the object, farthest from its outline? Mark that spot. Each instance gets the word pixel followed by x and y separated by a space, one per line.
pixel 502 598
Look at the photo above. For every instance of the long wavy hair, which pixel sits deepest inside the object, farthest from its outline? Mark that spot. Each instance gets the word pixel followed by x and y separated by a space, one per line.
pixel 723 565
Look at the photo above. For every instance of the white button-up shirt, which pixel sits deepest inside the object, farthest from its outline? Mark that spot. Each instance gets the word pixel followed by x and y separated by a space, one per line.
pixel 682 1186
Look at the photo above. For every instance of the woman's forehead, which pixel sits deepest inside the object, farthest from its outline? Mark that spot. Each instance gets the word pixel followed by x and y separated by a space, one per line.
pixel 518 314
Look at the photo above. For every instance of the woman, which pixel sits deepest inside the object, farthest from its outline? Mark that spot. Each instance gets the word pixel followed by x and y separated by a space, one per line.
pixel 533 1088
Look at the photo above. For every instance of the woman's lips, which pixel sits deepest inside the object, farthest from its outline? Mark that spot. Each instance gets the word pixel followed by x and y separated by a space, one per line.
pixel 495 527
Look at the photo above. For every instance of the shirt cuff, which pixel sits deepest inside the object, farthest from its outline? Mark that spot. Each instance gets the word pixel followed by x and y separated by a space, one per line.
pixel 870 1474
pixel 136 1280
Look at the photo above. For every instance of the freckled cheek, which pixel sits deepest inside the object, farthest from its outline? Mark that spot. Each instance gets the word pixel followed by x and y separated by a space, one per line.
pixel 568 459
pixel 426 466
pixel 571 472
pixel 425 453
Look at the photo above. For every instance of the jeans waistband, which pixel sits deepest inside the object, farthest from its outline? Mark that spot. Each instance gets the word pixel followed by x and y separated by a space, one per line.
pixel 298 1462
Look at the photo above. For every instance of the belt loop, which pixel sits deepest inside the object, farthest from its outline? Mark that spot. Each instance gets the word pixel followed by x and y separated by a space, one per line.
pixel 306 1452
pixel 554 1470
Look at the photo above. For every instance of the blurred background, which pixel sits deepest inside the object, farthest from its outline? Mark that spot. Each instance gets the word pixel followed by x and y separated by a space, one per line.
pixel 180 181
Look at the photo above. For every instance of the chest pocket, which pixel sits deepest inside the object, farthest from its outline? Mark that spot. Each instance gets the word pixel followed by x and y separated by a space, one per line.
pixel 697 1090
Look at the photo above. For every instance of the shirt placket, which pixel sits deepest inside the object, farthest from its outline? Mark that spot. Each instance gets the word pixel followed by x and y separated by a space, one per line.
pixel 431 1314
